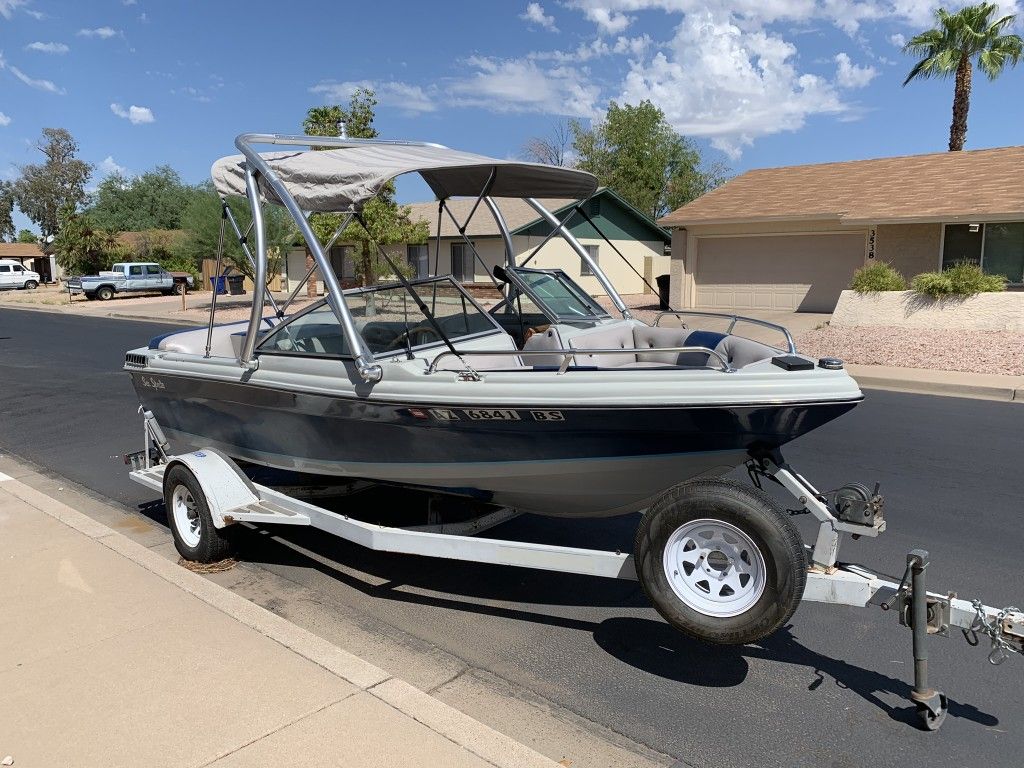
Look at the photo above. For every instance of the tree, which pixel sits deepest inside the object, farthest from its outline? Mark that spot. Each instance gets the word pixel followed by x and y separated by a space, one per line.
pixel 387 223
pixel 81 248
pixel 637 153
pixel 154 200
pixel 552 149
pixel 6 210
pixel 950 48
pixel 44 192
pixel 200 222
pixel 27 236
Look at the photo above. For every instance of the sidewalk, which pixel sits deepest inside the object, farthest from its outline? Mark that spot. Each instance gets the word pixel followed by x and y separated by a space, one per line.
pixel 111 655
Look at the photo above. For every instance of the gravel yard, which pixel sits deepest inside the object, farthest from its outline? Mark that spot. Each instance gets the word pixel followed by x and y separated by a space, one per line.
pixel 947 350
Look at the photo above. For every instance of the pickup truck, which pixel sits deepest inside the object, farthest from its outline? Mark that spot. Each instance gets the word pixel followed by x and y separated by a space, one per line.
pixel 130 277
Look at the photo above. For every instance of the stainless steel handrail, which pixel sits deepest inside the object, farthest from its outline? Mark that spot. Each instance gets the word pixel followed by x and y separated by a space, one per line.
pixel 735 319
pixel 568 354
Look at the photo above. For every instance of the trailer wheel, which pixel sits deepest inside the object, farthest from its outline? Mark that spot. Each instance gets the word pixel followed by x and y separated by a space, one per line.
pixel 721 562
pixel 188 515
pixel 105 293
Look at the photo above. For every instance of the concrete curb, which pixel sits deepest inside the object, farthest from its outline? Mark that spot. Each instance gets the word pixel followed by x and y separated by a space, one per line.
pixel 110 315
pixel 947 389
pixel 456 726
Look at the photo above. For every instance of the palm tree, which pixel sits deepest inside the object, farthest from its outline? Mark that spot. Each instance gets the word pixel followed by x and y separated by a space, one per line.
pixel 949 48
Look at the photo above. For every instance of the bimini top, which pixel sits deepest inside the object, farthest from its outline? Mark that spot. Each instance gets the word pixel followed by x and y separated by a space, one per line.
pixel 344 179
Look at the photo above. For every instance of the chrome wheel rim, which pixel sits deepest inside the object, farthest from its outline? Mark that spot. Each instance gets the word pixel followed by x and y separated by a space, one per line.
pixel 714 568
pixel 186 516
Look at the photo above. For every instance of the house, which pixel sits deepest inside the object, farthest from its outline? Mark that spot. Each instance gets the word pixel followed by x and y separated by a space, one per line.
pixel 790 238
pixel 637 237
pixel 32 257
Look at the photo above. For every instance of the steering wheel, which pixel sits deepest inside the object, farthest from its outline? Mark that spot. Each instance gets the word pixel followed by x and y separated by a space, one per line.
pixel 421 334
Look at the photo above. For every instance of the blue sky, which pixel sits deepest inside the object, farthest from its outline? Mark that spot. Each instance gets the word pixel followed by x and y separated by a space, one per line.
pixel 755 82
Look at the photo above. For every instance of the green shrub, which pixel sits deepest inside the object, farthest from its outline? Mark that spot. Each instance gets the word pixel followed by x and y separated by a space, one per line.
pixel 962 279
pixel 934 284
pixel 878 276
pixel 968 279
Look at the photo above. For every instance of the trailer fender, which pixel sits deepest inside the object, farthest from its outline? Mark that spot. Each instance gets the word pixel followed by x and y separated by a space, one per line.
pixel 225 486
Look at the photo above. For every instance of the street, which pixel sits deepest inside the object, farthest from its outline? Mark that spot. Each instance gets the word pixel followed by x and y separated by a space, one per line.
pixel 831 689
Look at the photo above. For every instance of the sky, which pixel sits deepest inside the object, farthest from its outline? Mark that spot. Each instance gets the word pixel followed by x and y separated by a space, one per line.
pixel 755 83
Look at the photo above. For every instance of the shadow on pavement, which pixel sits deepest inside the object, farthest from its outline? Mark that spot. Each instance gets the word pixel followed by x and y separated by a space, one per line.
pixel 656 648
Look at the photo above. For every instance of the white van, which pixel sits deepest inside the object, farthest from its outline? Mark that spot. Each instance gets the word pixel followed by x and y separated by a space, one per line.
pixel 14 275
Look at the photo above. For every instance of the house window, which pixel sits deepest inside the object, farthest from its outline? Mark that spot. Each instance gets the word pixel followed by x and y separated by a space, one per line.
pixel 997 247
pixel 585 270
pixel 462 263
pixel 418 258
pixel 343 261
pixel 1004 250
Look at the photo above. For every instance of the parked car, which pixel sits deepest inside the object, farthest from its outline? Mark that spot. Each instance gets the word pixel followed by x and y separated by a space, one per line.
pixel 14 275
pixel 131 277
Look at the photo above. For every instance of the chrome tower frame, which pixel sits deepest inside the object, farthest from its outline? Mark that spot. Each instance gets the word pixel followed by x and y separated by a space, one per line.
pixel 258 169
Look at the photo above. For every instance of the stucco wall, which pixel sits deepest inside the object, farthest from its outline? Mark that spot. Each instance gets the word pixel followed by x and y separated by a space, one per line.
pixel 557 254
pixel 906 309
pixel 910 248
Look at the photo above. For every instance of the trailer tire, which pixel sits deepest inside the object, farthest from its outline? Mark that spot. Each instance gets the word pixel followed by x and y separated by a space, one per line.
pixel 188 515
pixel 720 561
pixel 104 293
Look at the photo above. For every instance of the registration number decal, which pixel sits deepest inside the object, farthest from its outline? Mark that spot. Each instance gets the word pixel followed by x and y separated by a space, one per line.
pixel 492 414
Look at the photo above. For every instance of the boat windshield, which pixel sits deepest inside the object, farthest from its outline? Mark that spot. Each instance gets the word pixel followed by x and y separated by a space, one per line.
pixel 555 293
pixel 387 318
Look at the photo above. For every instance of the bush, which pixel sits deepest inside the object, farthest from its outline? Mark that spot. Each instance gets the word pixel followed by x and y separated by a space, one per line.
pixel 878 276
pixel 962 279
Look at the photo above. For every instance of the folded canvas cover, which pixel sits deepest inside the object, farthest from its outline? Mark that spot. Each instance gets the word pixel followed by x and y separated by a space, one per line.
pixel 344 179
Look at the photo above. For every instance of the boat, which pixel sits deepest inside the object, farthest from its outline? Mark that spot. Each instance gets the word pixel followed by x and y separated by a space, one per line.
pixel 563 409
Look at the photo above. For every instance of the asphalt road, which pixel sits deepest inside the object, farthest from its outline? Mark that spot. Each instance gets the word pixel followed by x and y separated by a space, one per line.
pixel 829 690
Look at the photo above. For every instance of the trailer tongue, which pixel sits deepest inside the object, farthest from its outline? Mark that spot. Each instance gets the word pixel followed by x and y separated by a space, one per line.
pixel 205 491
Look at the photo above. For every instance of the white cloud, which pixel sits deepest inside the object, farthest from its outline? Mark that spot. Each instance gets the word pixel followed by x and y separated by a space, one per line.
pixel 850 75
pixel 108 167
pixel 47 47
pixel 609 22
pixel 898 40
pixel 128 2
pixel 135 115
pixel 42 85
pixel 4 120
pixel 405 96
pixel 731 85
pixel 104 33
pixel 534 14
pixel 7 7
pixel 522 85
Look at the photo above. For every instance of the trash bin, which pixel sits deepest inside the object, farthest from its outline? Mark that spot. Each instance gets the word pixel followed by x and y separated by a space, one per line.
pixel 664 282
pixel 217 284
pixel 236 285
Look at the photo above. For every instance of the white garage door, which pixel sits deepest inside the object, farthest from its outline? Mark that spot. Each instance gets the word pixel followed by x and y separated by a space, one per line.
pixel 785 272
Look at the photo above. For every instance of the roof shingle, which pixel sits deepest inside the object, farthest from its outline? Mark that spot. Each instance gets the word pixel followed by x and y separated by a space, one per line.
pixel 945 186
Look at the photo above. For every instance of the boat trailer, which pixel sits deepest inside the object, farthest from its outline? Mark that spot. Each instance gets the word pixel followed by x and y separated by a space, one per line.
pixel 231 497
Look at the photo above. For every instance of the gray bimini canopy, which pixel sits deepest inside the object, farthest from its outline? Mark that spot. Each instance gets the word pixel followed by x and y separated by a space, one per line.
pixel 346 178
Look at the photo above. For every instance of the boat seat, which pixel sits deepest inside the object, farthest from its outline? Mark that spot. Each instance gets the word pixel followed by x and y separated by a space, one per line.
pixel 485 362
pixel 737 351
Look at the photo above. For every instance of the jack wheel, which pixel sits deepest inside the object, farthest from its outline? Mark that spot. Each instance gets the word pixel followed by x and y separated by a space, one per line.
pixel 933 713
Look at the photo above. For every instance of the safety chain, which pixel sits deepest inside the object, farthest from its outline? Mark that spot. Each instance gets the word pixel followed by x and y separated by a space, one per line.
pixel 1001 649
